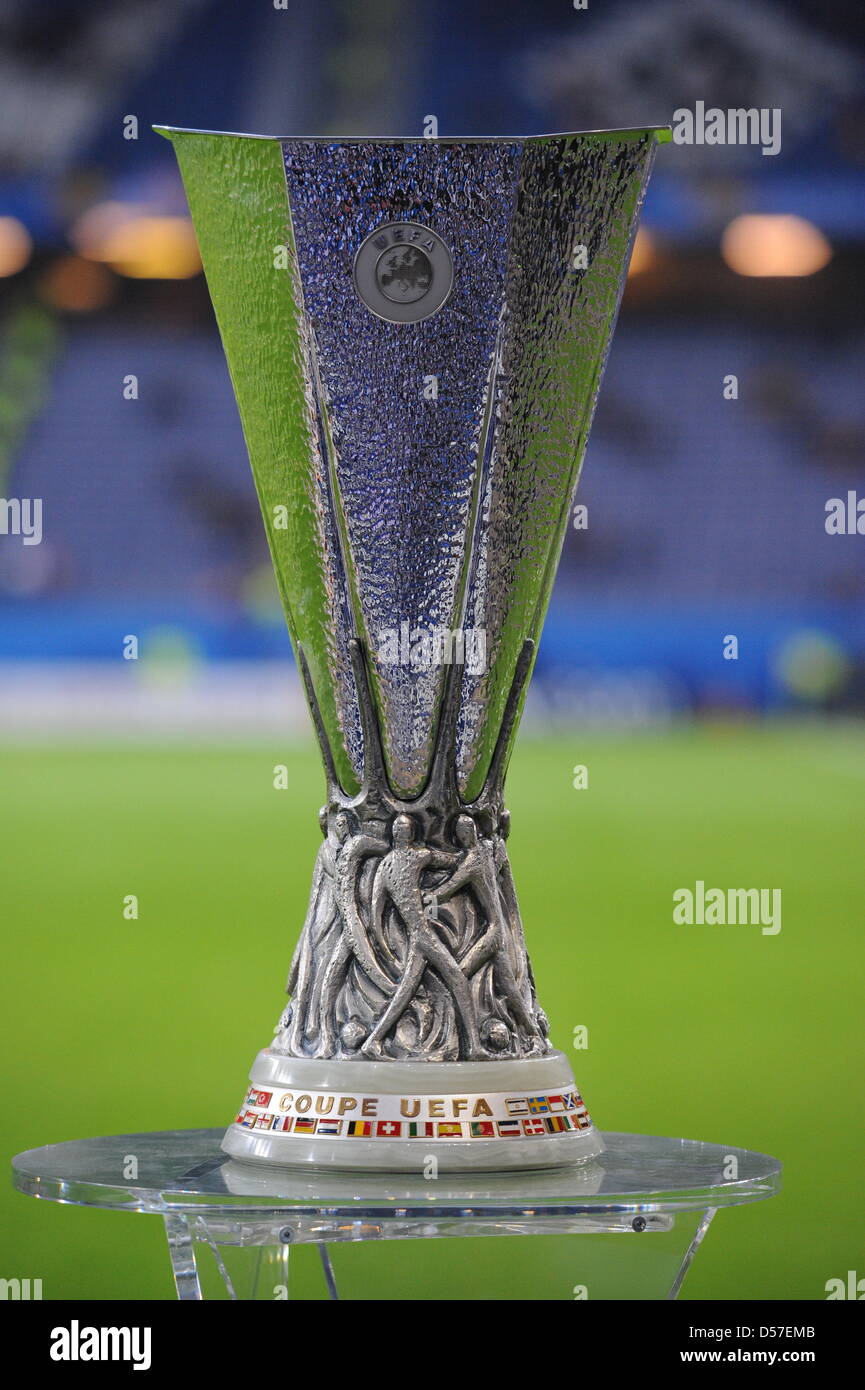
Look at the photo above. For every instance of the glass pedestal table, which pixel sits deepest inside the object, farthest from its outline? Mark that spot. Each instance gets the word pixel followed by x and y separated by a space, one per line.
pixel 640 1210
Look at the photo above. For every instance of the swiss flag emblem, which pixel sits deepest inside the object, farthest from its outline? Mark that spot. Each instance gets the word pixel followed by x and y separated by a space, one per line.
pixel 388 1129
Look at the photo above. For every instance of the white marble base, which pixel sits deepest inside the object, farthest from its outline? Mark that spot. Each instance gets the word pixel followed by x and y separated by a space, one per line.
pixel 437 1094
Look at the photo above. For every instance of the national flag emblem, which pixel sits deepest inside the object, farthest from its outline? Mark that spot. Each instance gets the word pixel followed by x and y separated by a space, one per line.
pixel 262 1122
pixel 281 1122
pixel 450 1130
pixel 538 1105
pixel 583 1121
pixel 533 1127
pixel 516 1107
pixel 421 1129
pixel 483 1129
pixel 556 1102
pixel 508 1128
pixel 259 1097
pixel 556 1123
pixel 329 1126
pixel 304 1125
pixel 360 1129
pixel 248 1120
pixel 388 1129
pixel 572 1100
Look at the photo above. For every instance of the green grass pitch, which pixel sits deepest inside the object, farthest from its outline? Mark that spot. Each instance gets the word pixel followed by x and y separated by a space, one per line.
pixel 717 1033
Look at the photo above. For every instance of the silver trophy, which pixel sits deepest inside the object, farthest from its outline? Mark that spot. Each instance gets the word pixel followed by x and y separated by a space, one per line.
pixel 416 332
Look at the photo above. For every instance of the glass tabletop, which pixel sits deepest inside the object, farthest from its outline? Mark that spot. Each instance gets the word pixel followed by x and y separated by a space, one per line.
pixel 176 1171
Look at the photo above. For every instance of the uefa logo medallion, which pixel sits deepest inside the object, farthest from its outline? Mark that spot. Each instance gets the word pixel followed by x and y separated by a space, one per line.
pixel 403 272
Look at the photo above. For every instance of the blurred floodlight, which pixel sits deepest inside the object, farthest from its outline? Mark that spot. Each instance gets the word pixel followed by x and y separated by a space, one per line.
pixel 16 246
pixel 774 244
pixel 812 665
pixel 170 657
pixel 94 226
pixel 644 255
pixel 153 248
pixel 77 286
pixel 138 243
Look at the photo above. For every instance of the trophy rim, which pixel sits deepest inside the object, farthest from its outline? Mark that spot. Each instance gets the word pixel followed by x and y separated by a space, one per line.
pixel 664 134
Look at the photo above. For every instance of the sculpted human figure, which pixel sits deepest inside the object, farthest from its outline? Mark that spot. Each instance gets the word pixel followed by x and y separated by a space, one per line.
pixel 301 1014
pixel 477 869
pixel 398 882
pixel 516 941
pixel 354 943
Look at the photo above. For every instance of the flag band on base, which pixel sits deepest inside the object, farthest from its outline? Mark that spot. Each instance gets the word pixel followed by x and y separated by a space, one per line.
pixel 333 1115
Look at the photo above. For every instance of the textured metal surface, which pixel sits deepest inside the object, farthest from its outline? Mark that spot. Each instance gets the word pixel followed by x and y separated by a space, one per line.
pixel 405 466
pixel 236 192
pixel 415 479
pixel 574 192
pixel 411 950
pixel 433 513
pixel 413 947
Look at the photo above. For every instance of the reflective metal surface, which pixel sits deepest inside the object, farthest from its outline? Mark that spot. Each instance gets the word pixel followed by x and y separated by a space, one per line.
pixel 416 474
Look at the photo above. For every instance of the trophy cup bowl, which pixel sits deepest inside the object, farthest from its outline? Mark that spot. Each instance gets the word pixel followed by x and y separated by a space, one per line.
pixel 416 332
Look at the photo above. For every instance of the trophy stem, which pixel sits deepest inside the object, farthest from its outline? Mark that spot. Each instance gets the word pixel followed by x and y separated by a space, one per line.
pixel 413 1011
pixel 413 946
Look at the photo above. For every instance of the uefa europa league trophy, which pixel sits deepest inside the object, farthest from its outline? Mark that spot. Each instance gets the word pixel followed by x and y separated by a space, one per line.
pixel 416 332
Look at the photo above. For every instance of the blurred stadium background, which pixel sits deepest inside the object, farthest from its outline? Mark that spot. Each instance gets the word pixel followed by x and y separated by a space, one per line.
pixel 706 517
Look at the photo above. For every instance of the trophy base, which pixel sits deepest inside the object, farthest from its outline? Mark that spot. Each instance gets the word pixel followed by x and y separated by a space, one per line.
pixel 397 1116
